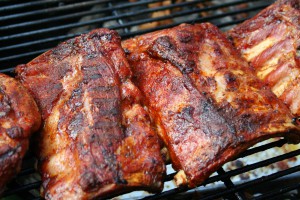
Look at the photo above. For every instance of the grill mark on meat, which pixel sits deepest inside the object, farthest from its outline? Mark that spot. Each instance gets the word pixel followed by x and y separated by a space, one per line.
pixel 4 104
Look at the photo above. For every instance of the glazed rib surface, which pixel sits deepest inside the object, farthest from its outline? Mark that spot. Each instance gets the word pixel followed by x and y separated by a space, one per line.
pixel 207 104
pixel 97 139
pixel 270 42
pixel 19 118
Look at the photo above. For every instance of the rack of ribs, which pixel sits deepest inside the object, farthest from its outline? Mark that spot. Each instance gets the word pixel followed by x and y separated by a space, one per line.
pixel 270 41
pixel 207 104
pixel 97 140
pixel 19 118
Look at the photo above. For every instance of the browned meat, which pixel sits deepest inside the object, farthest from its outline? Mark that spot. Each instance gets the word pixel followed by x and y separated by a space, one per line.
pixel 19 118
pixel 97 139
pixel 270 42
pixel 207 103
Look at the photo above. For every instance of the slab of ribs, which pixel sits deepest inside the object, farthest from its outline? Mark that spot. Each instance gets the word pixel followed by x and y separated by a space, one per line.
pixel 97 140
pixel 108 113
pixel 206 102
pixel 271 43
pixel 19 118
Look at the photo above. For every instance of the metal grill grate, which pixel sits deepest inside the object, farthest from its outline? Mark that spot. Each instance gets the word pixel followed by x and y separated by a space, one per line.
pixel 32 27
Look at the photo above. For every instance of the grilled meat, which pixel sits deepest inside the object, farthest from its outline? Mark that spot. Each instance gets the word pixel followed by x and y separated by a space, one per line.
pixel 270 42
pixel 19 118
pixel 97 139
pixel 207 104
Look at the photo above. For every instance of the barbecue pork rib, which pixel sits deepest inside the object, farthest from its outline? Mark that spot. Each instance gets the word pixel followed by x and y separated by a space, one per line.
pixel 97 139
pixel 207 104
pixel 270 41
pixel 19 118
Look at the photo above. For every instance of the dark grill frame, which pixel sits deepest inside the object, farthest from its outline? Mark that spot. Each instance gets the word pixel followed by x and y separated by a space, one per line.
pixel 18 46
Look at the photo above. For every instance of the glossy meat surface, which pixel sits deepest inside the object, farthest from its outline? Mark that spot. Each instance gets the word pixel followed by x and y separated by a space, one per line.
pixel 207 104
pixel 97 140
pixel 19 118
pixel 270 42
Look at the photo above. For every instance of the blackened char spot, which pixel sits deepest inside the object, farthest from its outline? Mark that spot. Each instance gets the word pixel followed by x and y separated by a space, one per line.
pixel 164 48
pixel 187 113
pixel 102 36
pixel 76 125
pixel 118 180
pixel 127 51
pixel 15 132
pixel 104 88
pixel 296 121
pixel 298 52
pixel 4 105
pixel 230 77
pixel 231 80
pixel 95 76
pixel 212 120
pixel 105 124
pixel 89 181
pixel 184 36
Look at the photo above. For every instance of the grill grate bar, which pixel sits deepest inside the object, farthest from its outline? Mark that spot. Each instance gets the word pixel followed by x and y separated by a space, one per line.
pixel 59 38
pixel 55 9
pixel 229 184
pixel 17 56
pixel 119 19
pixel 245 168
pixel 278 143
pixel 254 183
pixel 27 44
pixel 254 166
pixel 77 14
pixel 7 70
pixel 273 193
pixel 182 13
pixel 27 5
pixel 22 188
pixel 137 22
pixel 198 20
pixel 25 172
pixel 228 190
pixel 124 35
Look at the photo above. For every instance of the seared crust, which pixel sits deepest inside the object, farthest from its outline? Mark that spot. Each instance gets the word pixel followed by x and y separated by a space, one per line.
pixel 97 140
pixel 207 103
pixel 19 118
pixel 270 41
